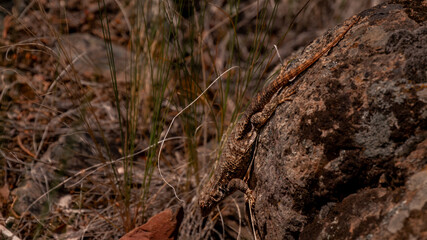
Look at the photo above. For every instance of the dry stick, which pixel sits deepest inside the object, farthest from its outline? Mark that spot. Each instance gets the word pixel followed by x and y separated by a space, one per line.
pixel 173 120
pixel 8 234
pixel 18 138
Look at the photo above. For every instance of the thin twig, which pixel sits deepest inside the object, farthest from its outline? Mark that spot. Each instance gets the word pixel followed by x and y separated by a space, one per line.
pixel 18 138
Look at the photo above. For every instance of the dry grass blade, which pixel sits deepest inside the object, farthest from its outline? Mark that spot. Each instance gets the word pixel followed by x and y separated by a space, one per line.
pixel 173 120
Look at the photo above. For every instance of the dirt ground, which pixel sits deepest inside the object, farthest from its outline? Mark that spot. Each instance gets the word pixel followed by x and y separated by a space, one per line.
pixel 64 174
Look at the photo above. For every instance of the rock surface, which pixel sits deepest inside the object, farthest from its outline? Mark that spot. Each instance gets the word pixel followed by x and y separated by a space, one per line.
pixel 70 154
pixel 90 55
pixel 346 158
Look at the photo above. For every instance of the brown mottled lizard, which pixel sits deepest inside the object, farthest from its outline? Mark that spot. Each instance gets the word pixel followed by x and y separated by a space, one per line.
pixel 238 147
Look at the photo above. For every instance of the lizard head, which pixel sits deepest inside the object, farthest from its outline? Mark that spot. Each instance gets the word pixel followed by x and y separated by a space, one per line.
pixel 209 199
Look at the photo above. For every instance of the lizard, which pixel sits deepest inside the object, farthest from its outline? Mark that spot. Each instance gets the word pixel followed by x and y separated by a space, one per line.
pixel 236 156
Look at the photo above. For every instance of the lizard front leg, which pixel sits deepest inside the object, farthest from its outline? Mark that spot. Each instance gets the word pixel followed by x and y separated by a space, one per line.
pixel 241 185
pixel 260 118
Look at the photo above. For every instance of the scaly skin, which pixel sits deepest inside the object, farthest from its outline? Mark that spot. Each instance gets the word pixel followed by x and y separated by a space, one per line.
pixel 238 147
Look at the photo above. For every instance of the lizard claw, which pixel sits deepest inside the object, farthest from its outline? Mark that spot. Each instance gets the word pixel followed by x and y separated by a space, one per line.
pixel 250 199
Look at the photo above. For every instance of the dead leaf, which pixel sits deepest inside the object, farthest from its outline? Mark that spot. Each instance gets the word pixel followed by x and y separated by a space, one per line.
pixel 4 194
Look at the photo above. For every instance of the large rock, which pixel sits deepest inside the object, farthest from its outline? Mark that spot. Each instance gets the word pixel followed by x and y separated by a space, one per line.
pixel 90 57
pixel 346 158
